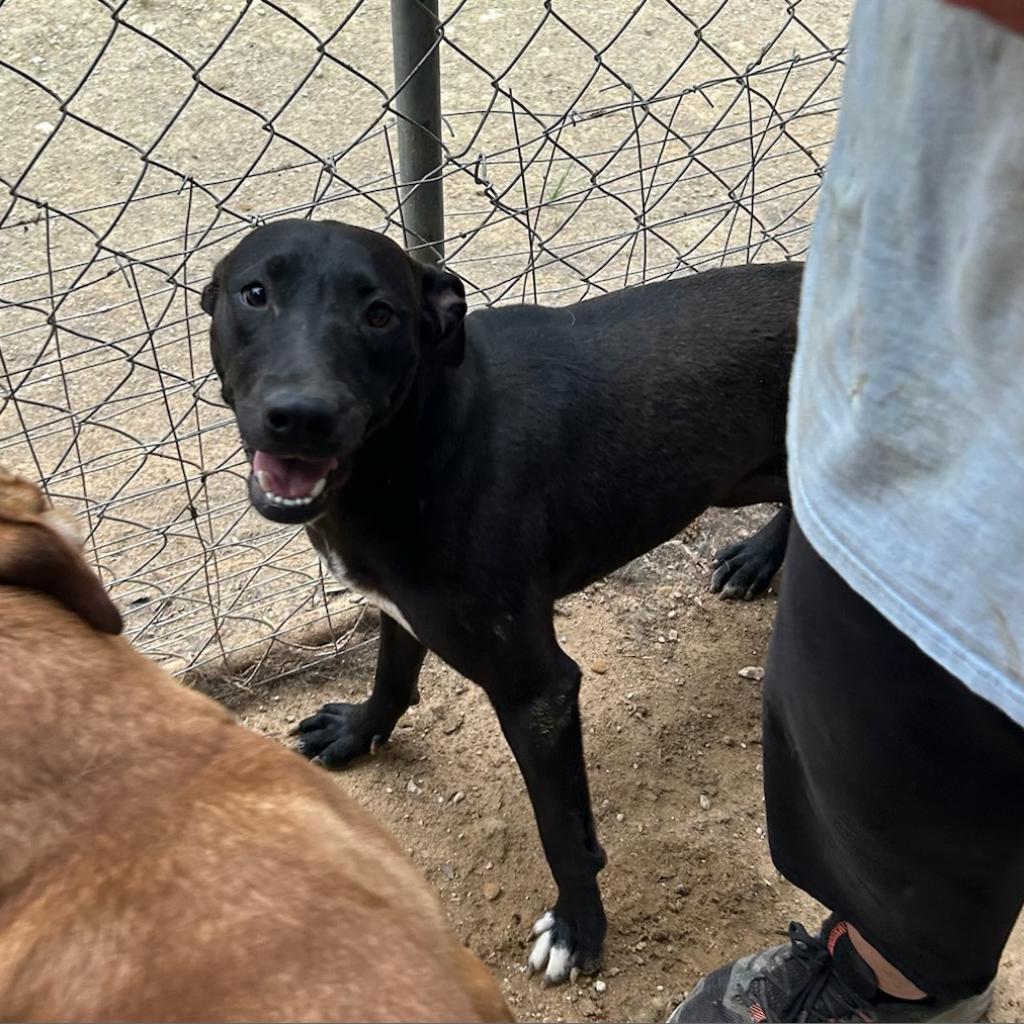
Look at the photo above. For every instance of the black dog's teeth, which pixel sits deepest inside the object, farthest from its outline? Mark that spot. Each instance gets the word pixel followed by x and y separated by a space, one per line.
pixel 276 499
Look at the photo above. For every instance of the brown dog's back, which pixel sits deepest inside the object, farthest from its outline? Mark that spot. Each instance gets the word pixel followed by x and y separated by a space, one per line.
pixel 159 862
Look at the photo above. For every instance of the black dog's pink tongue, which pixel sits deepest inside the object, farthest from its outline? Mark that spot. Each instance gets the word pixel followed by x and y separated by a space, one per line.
pixel 291 478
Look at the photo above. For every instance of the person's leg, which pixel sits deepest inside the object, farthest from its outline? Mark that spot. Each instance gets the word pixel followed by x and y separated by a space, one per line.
pixel 892 791
pixel 891 794
pixel 889 979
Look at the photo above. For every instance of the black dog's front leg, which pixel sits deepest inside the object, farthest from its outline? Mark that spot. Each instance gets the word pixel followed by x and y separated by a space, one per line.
pixel 543 730
pixel 340 732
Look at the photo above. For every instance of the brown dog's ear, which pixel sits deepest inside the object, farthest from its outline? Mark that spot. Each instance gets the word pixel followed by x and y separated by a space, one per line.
pixel 38 550
pixel 444 309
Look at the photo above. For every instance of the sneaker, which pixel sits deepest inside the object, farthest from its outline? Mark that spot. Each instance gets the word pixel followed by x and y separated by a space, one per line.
pixel 811 979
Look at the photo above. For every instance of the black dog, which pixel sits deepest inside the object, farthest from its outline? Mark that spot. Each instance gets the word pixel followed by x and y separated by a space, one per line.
pixel 465 471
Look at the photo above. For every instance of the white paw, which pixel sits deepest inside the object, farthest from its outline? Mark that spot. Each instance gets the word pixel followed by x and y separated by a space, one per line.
pixel 550 955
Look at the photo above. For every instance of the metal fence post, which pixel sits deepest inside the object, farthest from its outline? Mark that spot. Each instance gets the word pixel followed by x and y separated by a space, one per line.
pixel 418 102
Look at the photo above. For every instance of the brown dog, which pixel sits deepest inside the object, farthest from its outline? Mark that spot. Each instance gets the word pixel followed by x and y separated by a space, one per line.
pixel 158 862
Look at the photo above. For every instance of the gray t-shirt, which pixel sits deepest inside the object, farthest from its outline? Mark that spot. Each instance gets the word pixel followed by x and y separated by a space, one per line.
pixel 906 424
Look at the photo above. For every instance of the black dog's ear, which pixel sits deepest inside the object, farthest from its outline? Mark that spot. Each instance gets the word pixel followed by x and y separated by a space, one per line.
pixel 444 309
pixel 209 299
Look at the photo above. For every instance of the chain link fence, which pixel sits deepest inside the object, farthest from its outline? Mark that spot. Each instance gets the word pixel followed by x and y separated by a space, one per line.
pixel 584 147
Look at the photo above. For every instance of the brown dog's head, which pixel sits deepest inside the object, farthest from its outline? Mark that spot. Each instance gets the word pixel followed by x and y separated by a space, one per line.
pixel 40 550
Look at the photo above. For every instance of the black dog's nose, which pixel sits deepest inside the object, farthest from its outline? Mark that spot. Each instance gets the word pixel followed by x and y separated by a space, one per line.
pixel 300 420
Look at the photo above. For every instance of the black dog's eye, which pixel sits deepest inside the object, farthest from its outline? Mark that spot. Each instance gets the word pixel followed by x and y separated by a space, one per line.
pixel 378 314
pixel 254 295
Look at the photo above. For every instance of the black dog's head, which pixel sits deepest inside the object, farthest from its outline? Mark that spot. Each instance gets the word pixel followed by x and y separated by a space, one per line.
pixel 319 330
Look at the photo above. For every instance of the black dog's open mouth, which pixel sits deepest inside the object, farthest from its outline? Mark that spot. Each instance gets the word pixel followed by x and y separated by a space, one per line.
pixel 292 490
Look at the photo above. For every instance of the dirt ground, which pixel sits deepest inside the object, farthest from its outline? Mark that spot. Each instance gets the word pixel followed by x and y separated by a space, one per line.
pixel 672 733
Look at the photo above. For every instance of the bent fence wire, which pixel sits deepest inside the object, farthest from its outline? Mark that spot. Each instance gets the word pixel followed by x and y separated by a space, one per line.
pixel 586 146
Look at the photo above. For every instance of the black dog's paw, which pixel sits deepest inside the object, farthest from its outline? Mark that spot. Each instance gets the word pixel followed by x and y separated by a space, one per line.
pixel 563 948
pixel 745 569
pixel 339 733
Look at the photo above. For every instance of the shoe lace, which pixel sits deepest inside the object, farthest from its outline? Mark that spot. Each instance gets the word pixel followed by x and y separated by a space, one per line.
pixel 824 996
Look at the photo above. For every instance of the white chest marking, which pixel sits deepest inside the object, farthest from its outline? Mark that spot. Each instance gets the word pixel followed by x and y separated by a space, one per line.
pixel 339 571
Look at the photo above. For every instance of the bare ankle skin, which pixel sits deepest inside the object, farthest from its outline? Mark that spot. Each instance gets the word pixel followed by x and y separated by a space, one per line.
pixel 890 980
